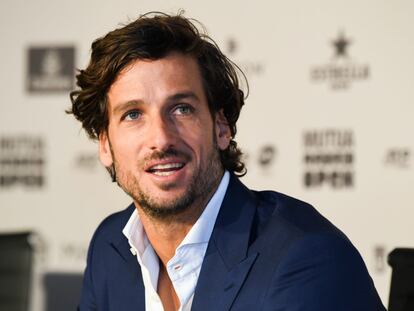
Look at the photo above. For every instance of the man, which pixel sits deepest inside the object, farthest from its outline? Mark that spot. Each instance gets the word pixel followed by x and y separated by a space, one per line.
pixel 163 101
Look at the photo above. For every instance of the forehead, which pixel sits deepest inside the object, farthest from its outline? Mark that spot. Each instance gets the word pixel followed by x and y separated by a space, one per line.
pixel 155 79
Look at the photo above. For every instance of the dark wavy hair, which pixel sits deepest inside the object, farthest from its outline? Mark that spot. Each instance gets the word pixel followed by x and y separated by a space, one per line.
pixel 153 36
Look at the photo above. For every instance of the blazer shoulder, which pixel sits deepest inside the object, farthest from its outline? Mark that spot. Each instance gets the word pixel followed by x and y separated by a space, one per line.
pixel 323 263
pixel 297 214
pixel 310 255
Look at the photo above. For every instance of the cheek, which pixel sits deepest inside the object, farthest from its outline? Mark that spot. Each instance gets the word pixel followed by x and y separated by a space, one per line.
pixel 198 135
pixel 125 150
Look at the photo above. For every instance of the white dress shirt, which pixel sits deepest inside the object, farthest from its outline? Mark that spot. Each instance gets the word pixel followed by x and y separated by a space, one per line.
pixel 184 268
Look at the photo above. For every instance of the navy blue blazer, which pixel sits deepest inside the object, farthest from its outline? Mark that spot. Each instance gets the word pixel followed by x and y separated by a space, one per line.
pixel 267 252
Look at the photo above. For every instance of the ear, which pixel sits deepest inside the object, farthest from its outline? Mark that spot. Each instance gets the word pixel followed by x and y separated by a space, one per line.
pixel 223 133
pixel 105 154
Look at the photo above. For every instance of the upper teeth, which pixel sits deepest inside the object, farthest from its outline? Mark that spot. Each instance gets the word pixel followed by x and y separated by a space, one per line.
pixel 166 166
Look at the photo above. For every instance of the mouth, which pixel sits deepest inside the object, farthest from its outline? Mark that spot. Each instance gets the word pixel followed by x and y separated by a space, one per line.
pixel 165 169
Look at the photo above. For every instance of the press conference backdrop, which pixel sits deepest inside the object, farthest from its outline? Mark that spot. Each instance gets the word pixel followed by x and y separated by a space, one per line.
pixel 329 117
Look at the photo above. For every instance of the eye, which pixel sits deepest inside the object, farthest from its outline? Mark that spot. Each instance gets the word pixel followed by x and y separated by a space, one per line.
pixel 183 109
pixel 131 115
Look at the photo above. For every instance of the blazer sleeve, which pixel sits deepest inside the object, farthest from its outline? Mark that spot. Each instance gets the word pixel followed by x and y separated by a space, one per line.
pixel 322 273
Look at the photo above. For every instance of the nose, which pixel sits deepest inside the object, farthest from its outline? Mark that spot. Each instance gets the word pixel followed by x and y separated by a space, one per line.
pixel 162 133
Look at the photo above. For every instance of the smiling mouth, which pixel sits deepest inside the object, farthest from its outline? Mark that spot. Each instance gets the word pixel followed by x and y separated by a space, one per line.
pixel 165 169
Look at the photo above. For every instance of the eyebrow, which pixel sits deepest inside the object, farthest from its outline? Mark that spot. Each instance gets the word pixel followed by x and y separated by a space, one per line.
pixel 183 95
pixel 125 106
pixel 135 102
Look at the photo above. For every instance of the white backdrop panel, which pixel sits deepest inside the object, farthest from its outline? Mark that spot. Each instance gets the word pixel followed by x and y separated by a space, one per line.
pixel 279 44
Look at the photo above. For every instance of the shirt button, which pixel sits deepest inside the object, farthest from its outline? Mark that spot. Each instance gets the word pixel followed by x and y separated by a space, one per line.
pixel 177 267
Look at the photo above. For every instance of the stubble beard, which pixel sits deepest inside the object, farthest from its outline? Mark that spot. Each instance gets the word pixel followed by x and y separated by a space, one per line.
pixel 200 188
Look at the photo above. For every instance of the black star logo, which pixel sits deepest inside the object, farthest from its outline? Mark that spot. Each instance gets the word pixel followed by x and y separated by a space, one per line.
pixel 341 45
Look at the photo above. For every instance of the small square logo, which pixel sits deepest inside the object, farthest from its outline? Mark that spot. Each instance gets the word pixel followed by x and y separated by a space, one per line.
pixel 50 69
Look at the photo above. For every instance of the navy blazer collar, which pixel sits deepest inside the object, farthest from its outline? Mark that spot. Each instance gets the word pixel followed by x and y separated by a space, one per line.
pixel 227 262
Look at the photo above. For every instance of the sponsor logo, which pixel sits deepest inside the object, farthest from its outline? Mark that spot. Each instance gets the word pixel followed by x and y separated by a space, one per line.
pixel 266 156
pixel 22 161
pixel 328 158
pixel 263 158
pixel 250 67
pixel 74 252
pixel 86 161
pixel 398 157
pixel 341 70
pixel 380 258
pixel 50 69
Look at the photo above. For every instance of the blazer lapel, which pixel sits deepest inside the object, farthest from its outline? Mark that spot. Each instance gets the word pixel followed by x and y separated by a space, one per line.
pixel 127 290
pixel 227 261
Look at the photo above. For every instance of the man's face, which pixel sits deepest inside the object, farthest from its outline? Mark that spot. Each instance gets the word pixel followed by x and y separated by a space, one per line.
pixel 161 136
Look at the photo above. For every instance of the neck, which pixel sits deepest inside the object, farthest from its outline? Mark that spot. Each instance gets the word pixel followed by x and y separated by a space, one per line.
pixel 166 234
